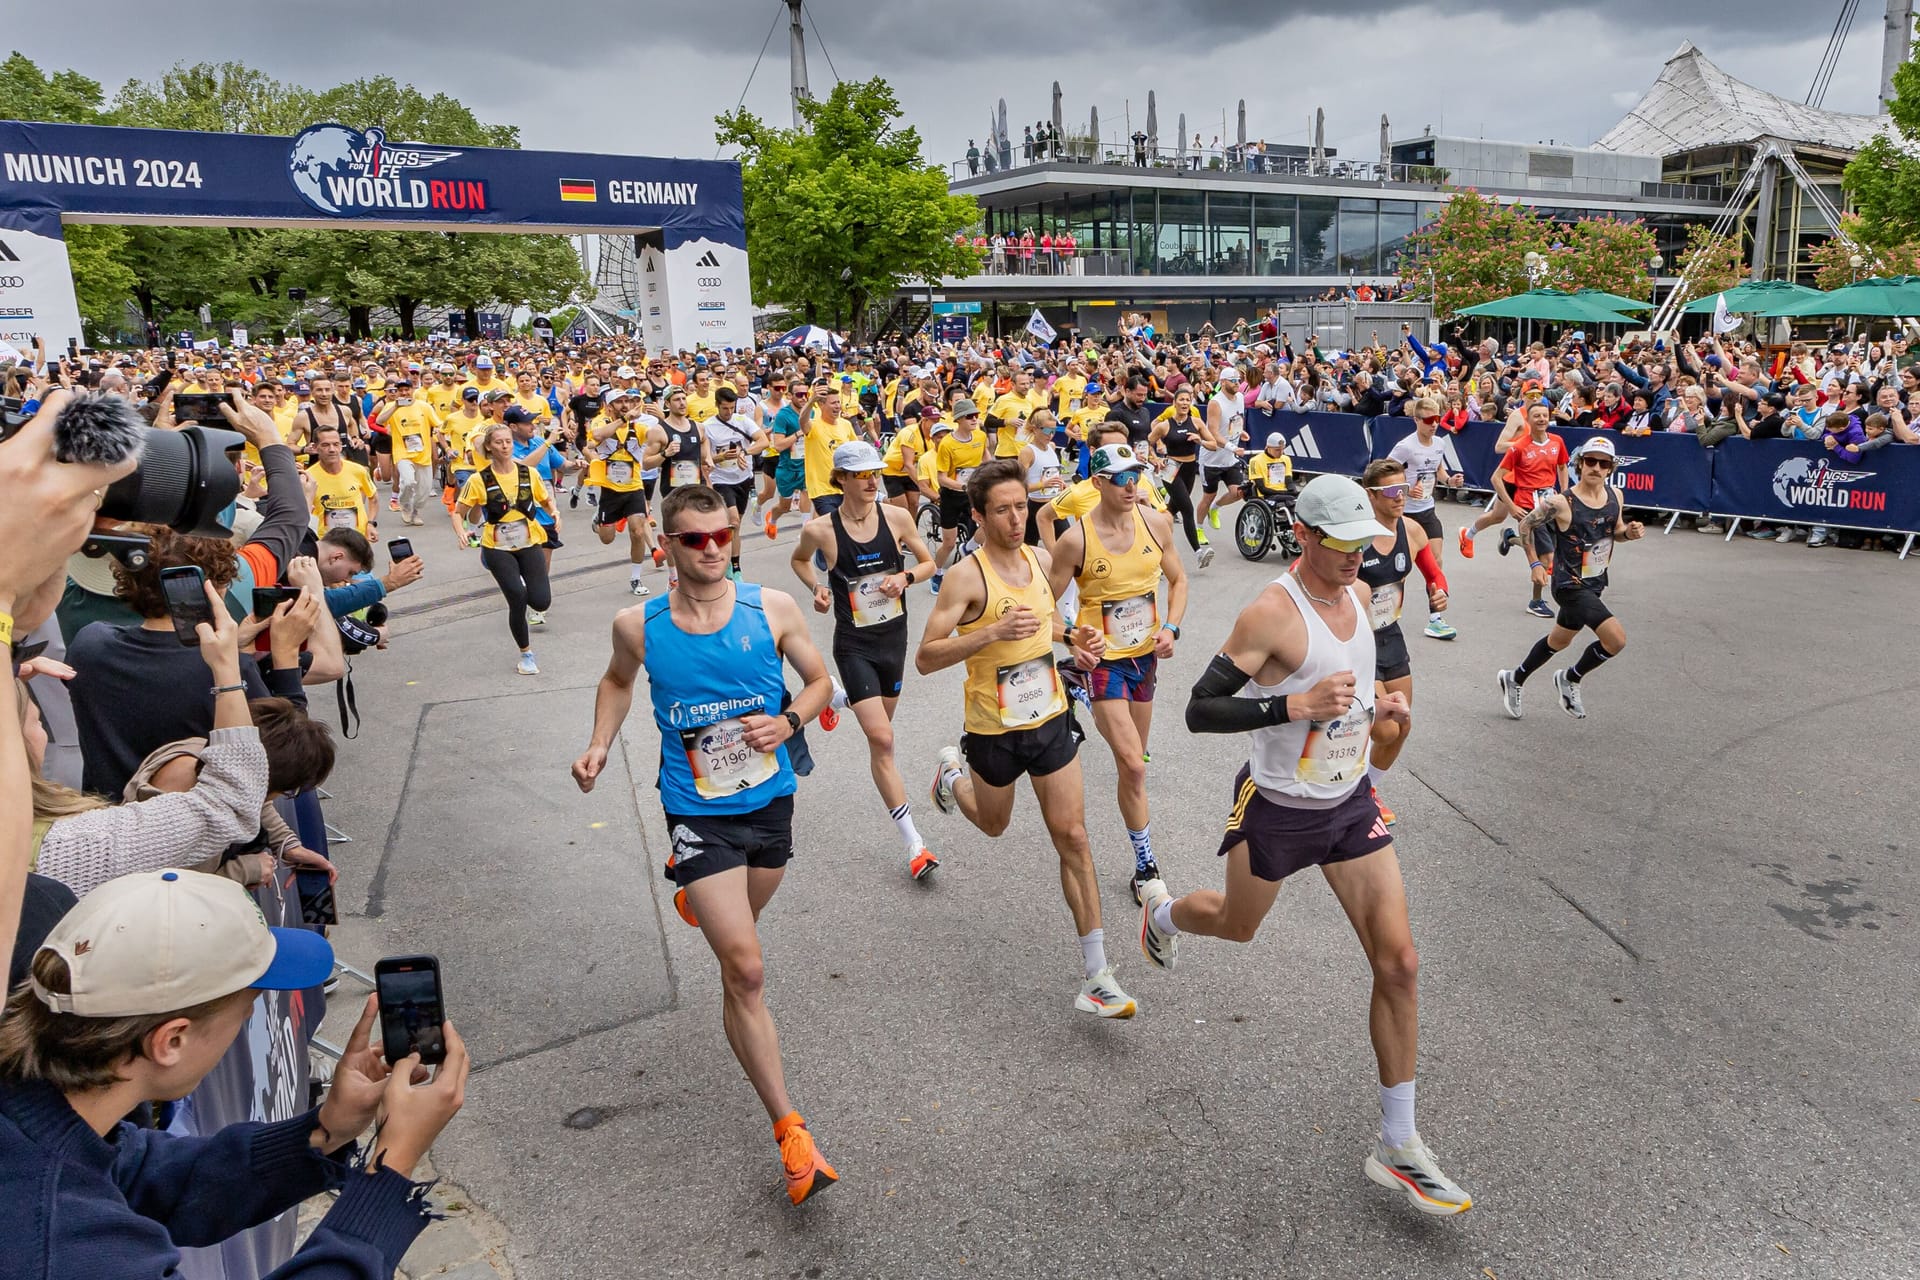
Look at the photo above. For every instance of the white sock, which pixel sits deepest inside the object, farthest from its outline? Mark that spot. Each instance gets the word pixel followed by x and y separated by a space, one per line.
pixel 1396 1113
pixel 1093 951
pixel 1472 533
pixel 635 572
pixel 903 819
pixel 1163 917
pixel 839 702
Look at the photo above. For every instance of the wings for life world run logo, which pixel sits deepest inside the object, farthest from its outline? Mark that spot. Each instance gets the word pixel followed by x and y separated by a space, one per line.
pixel 339 171
pixel 1810 482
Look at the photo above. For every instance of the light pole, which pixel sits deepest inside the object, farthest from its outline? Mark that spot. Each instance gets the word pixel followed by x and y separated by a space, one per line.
pixel 1653 278
pixel 1854 263
pixel 1535 266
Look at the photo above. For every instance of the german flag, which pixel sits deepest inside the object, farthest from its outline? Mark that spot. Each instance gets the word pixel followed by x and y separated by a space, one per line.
pixel 579 189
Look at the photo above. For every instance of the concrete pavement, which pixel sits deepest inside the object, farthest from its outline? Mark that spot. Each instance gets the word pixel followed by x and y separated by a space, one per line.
pixel 1667 965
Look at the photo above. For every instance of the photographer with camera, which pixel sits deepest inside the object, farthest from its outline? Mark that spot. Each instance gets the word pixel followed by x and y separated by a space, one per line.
pixel 101 1030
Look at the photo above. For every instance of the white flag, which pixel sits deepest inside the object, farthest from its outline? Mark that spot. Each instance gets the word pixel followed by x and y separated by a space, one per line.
pixel 1723 322
pixel 1037 326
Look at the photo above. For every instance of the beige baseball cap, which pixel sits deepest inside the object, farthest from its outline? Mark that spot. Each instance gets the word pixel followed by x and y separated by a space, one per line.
pixel 159 941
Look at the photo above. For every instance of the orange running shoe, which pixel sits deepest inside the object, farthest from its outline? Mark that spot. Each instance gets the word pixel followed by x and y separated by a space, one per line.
pixel 1466 543
pixel 773 531
pixel 659 557
pixel 806 1171
pixel 685 908
pixel 923 862
pixel 620 525
pixel 829 719
pixel 1386 815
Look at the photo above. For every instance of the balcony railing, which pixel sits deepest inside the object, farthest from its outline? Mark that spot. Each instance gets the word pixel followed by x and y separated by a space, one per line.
pixel 1231 160
pixel 1016 261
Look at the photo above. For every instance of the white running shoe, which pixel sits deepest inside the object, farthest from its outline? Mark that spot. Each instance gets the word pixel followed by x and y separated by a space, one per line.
pixel 1510 694
pixel 528 667
pixel 942 792
pixel 1102 996
pixel 1204 556
pixel 1569 695
pixel 639 588
pixel 1156 944
pixel 535 618
pixel 1411 1168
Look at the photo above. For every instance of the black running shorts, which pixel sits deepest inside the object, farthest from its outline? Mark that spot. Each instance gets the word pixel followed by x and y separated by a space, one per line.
pixel 736 494
pixel 616 506
pixel 1390 658
pixel 897 486
pixel 766 465
pixel 953 508
pixel 1580 607
pixel 706 844
pixel 998 759
pixel 869 670
pixel 1430 521
pixel 1212 478
pixel 1282 839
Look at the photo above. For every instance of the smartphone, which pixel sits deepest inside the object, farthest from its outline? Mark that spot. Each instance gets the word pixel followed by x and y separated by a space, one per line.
pixel 411 1008
pixel 267 599
pixel 185 588
pixel 399 549
pixel 198 406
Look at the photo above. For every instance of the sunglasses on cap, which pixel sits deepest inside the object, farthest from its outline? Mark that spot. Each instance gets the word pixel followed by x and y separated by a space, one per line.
pixel 1345 546
pixel 1390 491
pixel 701 541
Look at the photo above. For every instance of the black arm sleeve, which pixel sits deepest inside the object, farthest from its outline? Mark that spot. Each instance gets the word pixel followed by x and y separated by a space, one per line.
pixel 283 512
pixel 1214 707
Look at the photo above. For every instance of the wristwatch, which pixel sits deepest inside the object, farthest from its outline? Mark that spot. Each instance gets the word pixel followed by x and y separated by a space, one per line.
pixel 1168 626
pixel 793 720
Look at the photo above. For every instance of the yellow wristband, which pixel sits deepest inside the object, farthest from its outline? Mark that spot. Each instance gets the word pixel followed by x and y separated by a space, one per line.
pixel 6 628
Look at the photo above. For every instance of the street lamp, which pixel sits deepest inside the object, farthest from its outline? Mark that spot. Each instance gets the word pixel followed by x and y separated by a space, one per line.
pixel 1653 273
pixel 1854 263
pixel 1535 265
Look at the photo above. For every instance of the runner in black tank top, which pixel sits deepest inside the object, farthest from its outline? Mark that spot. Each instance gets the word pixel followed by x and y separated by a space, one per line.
pixel 1180 433
pixel 1586 522
pixel 1383 589
pixel 864 544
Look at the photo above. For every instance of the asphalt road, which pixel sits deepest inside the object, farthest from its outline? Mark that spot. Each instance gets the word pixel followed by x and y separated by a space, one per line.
pixel 1668 965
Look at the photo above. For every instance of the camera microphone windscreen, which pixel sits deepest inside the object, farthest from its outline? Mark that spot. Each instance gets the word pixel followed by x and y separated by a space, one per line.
pixel 99 427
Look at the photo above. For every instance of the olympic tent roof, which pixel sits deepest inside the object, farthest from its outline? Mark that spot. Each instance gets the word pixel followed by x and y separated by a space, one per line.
pixel 1695 104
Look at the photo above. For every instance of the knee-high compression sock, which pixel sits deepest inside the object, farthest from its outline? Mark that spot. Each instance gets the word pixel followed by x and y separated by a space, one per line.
pixel 1536 658
pixel 903 818
pixel 1593 657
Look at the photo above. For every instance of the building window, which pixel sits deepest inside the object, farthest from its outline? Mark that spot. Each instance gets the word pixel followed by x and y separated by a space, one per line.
pixel 1274 219
pixel 1229 234
pixel 1143 226
pixel 1396 224
pixel 1318 250
pixel 1360 237
pixel 1181 246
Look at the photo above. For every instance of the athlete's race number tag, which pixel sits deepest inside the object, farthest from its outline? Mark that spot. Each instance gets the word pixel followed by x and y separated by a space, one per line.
pixel 1384 608
pixel 1051 485
pixel 619 473
pixel 343 518
pixel 721 760
pixel 1129 623
pixel 1336 750
pixel 870 605
pixel 684 473
pixel 1595 559
pixel 1030 692
pixel 512 536
pixel 964 474
pixel 412 444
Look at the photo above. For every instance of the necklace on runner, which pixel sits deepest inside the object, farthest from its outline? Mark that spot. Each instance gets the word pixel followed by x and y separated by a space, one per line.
pixel 1325 604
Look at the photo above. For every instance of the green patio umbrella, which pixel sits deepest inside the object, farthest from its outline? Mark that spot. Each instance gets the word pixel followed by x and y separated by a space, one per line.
pixel 1756 297
pixel 1548 304
pixel 1877 296
pixel 1613 300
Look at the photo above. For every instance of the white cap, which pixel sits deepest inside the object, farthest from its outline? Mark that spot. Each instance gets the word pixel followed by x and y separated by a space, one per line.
pixel 160 941
pixel 1337 506
pixel 1275 440
pixel 625 371
pixel 1596 445
pixel 857 455
pixel 483 362
pixel 1230 374
pixel 1114 459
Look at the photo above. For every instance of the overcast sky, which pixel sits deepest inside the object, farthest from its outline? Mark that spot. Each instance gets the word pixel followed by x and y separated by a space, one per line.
pixel 599 75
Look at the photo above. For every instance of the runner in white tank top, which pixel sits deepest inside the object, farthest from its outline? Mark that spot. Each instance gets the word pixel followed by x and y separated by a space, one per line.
pixel 1297 675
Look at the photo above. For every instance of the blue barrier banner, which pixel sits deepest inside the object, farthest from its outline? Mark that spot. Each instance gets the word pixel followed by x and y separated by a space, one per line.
pixel 1666 471
pixel 1317 442
pixel 1469 451
pixel 1799 482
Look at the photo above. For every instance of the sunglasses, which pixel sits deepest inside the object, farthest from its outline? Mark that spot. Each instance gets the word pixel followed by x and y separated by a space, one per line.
pixel 1345 546
pixel 701 541
pixel 1389 491
pixel 1427 421
pixel 1605 464
pixel 1125 479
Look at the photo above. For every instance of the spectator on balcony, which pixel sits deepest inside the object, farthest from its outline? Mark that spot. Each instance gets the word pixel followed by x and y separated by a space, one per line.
pixel 1140 148
pixel 1026 144
pixel 973 159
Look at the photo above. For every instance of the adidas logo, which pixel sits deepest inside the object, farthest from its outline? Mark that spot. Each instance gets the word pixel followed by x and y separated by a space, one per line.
pixel 1304 444
pixel 707 259
pixel 6 254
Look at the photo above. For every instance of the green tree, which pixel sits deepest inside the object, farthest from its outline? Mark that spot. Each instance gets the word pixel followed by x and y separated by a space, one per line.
pixel 65 97
pixel 1711 263
pixel 1602 253
pixel 1474 252
pixel 226 97
pixel 1884 178
pixel 408 115
pixel 845 209
pixel 1833 258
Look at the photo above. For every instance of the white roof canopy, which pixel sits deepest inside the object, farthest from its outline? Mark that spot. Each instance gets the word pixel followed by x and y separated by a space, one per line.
pixel 1695 104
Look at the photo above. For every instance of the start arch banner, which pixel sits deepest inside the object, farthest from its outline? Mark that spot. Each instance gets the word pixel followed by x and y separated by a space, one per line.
pixel 333 175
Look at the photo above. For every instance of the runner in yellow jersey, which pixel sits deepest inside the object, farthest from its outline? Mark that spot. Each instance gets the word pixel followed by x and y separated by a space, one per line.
pixel 700 402
pixel 1007 419
pixel 956 456
pixel 505 494
pixel 616 444
pixel 826 431
pixel 456 437
pixel 1082 495
pixel 902 463
pixel 1116 555
pixel 997 616
pixel 343 492
pixel 410 423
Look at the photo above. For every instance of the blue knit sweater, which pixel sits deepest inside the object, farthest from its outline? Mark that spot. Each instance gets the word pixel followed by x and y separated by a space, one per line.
pixel 74 1204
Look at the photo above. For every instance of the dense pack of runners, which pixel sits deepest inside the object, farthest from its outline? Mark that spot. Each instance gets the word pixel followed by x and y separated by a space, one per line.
pixel 1055 503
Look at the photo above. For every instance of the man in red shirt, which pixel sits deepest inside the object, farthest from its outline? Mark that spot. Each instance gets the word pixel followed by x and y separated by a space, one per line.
pixel 1534 468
